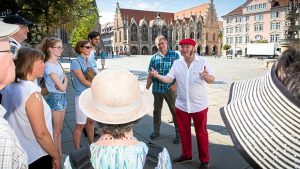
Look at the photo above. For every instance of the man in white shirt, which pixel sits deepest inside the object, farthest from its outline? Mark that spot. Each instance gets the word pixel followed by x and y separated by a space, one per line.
pixel 12 154
pixel 94 38
pixel 17 38
pixel 192 73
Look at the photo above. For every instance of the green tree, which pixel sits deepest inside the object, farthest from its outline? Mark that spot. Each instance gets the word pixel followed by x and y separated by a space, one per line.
pixel 85 17
pixel 48 15
pixel 78 16
pixel 226 47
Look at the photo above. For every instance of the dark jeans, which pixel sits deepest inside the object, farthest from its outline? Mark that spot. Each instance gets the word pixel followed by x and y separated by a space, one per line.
pixel 44 162
pixel 170 97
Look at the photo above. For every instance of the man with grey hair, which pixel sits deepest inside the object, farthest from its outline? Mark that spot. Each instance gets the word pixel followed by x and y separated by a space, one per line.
pixel 162 61
pixel 12 154
pixel 21 35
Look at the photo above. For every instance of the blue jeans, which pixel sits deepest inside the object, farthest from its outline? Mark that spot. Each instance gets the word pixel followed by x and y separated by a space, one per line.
pixel 57 101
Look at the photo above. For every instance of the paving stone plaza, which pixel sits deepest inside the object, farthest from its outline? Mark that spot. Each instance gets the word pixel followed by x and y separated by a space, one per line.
pixel 222 152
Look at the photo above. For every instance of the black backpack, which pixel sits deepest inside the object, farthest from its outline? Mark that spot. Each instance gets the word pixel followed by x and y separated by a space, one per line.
pixel 80 159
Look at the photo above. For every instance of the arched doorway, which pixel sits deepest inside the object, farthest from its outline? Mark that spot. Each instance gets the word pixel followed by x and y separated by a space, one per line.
pixel 207 50
pixel 133 50
pixel 214 50
pixel 154 50
pixel 199 49
pixel 145 51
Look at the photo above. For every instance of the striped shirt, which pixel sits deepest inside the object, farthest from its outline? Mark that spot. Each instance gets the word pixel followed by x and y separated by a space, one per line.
pixel 162 64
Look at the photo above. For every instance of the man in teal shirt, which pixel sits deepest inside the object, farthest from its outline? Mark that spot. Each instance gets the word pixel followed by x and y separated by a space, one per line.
pixel 102 57
pixel 162 61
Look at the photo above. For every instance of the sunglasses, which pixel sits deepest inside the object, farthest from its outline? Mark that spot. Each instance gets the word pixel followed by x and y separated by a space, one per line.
pixel 88 47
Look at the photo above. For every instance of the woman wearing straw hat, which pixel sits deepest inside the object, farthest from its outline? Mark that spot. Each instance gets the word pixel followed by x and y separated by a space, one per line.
pixel 116 101
pixel 263 115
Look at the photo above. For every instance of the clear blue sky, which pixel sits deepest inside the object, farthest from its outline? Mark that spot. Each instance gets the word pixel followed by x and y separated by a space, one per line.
pixel 107 7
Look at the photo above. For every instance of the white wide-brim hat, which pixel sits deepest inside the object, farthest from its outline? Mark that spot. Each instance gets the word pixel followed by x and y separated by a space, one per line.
pixel 263 120
pixel 115 97
pixel 7 30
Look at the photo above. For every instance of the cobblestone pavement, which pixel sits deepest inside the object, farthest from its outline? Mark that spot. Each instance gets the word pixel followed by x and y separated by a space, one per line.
pixel 222 152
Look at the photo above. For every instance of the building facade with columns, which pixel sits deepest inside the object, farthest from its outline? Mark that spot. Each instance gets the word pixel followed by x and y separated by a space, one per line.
pixel 136 30
pixel 107 37
pixel 255 21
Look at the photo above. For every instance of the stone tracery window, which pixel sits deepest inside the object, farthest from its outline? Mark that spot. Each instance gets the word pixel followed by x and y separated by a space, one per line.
pixel 154 32
pixel 183 31
pixel 165 32
pixel 199 30
pixel 133 31
pixel 144 33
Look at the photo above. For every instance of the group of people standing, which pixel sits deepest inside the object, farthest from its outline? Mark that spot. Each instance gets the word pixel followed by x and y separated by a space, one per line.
pixel 37 122
pixel 182 82
pixel 31 126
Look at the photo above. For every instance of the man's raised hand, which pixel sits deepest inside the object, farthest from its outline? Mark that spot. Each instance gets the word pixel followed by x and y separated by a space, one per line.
pixel 154 73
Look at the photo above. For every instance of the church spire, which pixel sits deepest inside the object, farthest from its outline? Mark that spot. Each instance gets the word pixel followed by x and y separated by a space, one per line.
pixel 118 6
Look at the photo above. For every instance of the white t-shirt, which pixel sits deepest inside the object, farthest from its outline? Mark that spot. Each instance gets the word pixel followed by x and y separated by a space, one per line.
pixel 192 94
pixel 14 98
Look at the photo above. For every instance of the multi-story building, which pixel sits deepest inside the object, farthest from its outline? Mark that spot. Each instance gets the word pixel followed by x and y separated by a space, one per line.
pixel 107 36
pixel 136 30
pixel 292 35
pixel 255 21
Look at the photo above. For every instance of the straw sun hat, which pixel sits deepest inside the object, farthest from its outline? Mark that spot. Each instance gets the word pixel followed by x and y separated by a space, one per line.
pixel 7 30
pixel 263 120
pixel 115 98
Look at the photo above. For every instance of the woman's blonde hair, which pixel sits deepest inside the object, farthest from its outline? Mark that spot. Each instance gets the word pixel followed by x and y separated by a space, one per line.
pixel 47 43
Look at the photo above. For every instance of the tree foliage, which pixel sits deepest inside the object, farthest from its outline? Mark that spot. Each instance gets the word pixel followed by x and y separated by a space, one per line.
pixel 85 19
pixel 226 47
pixel 48 15
pixel 78 17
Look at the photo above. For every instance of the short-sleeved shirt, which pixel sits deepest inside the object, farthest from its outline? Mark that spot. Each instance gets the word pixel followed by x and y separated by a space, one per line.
pixel 192 94
pixel 92 59
pixel 162 64
pixel 78 64
pixel 102 55
pixel 53 68
pixel 123 157
pixel 12 155
pixel 18 120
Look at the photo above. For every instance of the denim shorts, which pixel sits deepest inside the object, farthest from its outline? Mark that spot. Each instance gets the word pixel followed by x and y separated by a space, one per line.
pixel 57 101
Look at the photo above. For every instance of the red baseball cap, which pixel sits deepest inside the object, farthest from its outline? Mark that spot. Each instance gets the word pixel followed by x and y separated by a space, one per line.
pixel 187 41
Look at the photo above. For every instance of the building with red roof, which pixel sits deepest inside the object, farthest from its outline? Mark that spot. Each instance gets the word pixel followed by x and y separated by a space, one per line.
pixel 136 30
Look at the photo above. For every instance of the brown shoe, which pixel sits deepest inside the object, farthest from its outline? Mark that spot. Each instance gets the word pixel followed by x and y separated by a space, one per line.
pixel 204 165
pixel 154 136
pixel 181 159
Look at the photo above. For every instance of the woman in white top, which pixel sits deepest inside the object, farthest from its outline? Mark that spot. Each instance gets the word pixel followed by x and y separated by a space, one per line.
pixel 56 83
pixel 28 113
